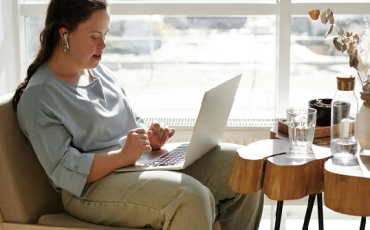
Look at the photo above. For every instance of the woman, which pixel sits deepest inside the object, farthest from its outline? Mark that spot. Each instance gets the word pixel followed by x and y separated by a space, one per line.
pixel 82 127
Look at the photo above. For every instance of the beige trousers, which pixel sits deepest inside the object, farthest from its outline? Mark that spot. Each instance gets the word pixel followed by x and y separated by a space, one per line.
pixel 170 200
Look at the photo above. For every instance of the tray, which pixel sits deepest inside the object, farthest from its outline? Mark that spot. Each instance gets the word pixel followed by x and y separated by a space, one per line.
pixel 320 131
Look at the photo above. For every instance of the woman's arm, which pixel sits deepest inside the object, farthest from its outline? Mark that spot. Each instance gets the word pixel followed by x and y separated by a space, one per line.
pixel 104 163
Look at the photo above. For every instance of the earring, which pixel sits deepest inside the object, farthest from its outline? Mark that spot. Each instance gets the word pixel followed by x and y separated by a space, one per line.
pixel 66 46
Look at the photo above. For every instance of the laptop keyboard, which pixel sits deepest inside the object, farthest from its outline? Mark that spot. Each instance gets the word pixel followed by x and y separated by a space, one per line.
pixel 173 157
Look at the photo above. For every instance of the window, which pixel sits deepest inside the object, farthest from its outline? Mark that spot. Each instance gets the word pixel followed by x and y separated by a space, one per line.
pixel 166 63
pixel 166 54
pixel 315 62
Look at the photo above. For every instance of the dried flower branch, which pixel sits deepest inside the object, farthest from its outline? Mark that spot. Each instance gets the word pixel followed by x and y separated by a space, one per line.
pixel 321 104
pixel 344 42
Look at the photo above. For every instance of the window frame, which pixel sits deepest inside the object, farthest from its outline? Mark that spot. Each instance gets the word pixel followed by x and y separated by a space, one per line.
pixel 282 9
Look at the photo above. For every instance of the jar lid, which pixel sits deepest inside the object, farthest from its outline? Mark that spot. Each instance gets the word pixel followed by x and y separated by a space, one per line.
pixel 346 83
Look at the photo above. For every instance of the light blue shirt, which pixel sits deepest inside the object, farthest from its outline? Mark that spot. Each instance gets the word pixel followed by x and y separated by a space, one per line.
pixel 68 124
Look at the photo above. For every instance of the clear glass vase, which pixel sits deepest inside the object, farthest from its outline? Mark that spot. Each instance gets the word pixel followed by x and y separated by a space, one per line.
pixel 344 111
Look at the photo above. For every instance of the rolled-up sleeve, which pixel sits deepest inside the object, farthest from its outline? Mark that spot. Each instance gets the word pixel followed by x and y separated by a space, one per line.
pixel 65 165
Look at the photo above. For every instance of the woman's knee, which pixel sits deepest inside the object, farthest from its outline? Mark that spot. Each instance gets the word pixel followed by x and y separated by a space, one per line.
pixel 194 202
pixel 195 191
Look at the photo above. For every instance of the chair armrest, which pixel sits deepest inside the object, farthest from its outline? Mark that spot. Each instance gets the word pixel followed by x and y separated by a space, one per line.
pixel 1 220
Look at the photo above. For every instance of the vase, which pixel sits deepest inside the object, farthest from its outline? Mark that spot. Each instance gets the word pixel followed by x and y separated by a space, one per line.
pixel 363 122
pixel 344 112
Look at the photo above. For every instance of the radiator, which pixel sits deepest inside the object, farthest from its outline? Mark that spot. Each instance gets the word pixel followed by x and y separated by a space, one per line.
pixel 246 139
pixel 238 131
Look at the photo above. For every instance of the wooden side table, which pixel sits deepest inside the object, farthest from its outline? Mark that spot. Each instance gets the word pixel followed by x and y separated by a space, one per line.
pixel 347 188
pixel 266 165
pixel 323 142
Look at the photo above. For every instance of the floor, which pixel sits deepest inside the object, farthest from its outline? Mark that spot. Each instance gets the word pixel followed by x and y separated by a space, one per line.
pixel 293 217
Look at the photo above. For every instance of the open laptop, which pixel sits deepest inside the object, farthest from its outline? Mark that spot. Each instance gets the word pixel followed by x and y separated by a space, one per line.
pixel 207 133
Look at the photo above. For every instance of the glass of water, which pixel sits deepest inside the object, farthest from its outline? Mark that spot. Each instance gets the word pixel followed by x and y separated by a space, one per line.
pixel 301 126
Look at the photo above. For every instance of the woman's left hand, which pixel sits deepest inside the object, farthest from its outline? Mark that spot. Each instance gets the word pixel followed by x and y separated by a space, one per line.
pixel 158 134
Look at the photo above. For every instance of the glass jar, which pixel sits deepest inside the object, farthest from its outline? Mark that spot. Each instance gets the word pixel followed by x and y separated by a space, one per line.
pixel 344 110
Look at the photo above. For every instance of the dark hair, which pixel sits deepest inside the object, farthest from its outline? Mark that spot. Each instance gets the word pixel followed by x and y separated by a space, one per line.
pixel 61 13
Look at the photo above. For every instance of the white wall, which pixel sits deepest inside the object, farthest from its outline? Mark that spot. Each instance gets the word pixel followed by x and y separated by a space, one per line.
pixel 8 49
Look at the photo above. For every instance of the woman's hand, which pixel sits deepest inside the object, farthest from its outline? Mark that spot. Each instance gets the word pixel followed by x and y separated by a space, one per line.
pixel 136 145
pixel 159 134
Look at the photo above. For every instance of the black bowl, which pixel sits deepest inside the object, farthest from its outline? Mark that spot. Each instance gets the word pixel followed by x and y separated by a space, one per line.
pixel 323 116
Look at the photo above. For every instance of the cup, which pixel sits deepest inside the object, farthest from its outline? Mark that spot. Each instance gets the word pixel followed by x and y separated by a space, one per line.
pixel 301 127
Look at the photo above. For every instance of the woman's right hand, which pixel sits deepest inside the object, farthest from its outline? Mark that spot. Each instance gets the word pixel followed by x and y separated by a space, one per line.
pixel 136 145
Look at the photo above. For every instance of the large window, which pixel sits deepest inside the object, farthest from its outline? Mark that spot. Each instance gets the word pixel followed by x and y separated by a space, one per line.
pixel 315 62
pixel 167 54
pixel 166 63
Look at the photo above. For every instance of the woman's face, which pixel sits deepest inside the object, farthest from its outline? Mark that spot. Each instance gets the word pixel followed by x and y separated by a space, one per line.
pixel 87 43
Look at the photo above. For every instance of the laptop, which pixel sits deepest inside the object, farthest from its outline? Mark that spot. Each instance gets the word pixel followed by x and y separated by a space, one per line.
pixel 207 133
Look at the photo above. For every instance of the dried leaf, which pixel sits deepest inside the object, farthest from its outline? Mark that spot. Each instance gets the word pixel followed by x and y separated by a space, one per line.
pixel 341 31
pixel 351 49
pixel 331 17
pixel 345 40
pixel 356 39
pixel 348 34
pixel 326 15
pixel 337 44
pixel 314 14
pixel 353 61
pixel 329 31
pixel 344 48
pixel 323 17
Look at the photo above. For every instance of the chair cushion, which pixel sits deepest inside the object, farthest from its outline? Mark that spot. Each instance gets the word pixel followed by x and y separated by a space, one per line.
pixel 65 220
pixel 25 192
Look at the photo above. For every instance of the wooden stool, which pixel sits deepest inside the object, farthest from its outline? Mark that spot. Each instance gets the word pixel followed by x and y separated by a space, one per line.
pixel 347 188
pixel 282 176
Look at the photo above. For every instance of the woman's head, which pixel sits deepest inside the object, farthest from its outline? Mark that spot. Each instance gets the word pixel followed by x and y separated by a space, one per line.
pixel 75 18
pixel 86 40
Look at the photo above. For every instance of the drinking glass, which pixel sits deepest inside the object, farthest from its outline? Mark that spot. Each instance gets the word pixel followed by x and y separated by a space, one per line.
pixel 301 126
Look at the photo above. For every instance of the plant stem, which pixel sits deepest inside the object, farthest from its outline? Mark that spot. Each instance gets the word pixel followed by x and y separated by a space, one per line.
pixel 336 29
pixel 360 79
